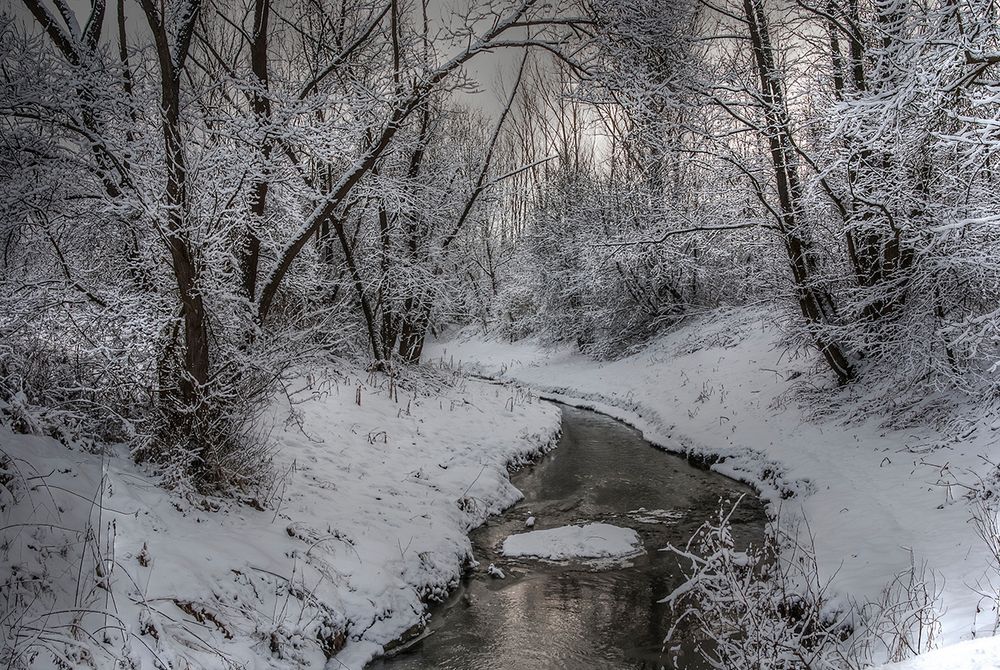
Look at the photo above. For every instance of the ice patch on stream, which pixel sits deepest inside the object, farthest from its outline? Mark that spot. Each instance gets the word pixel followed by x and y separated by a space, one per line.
pixel 655 516
pixel 587 541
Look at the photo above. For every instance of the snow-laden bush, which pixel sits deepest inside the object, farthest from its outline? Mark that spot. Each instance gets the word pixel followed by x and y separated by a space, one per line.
pixel 769 608
pixel 599 267
pixel 902 622
pixel 758 609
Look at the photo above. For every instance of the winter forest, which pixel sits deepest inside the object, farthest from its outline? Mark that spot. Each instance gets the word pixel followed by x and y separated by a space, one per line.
pixel 485 334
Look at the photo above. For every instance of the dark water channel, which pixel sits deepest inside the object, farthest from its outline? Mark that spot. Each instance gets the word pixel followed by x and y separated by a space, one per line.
pixel 578 615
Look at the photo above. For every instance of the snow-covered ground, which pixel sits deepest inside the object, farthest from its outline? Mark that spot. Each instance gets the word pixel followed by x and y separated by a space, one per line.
pixel 366 518
pixel 875 498
pixel 981 654
pixel 368 512
pixel 585 541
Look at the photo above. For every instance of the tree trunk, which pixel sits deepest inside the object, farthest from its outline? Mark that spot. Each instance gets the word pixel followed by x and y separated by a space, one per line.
pixel 815 303
pixel 262 114
pixel 414 331
pixel 359 286
pixel 184 262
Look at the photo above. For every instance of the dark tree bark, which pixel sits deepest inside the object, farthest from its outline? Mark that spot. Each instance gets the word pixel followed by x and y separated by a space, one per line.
pixel 359 286
pixel 261 103
pixel 184 261
pixel 815 303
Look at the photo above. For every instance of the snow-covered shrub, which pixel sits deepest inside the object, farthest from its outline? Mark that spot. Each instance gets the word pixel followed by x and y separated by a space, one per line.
pixel 986 518
pixel 47 390
pixel 903 622
pixel 764 608
pixel 218 444
pixel 516 312
pixel 768 607
pixel 599 268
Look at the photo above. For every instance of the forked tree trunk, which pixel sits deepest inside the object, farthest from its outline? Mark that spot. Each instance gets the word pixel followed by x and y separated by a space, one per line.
pixel 184 262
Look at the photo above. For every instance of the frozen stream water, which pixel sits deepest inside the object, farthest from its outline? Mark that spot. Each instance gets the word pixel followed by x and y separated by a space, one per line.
pixel 575 615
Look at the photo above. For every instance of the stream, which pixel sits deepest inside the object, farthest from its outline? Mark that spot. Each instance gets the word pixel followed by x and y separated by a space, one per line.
pixel 574 614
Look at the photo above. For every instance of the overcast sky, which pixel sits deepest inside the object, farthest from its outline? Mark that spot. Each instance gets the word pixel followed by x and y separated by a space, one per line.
pixel 489 70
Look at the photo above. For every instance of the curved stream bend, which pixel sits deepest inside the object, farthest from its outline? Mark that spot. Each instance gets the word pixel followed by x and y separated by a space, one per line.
pixel 575 615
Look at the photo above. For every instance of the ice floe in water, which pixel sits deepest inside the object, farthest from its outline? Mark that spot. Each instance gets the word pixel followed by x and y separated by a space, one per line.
pixel 643 515
pixel 587 541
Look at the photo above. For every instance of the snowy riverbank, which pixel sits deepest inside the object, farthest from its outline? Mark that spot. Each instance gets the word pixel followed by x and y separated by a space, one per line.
pixel 723 387
pixel 366 518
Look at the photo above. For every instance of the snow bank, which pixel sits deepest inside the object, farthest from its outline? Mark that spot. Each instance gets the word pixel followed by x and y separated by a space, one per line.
pixel 723 388
pixel 366 520
pixel 592 540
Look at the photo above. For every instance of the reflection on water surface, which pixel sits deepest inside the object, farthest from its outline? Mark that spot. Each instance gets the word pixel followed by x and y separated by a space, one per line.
pixel 548 617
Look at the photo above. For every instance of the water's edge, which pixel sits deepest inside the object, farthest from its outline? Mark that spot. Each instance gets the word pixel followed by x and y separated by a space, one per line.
pixel 601 486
